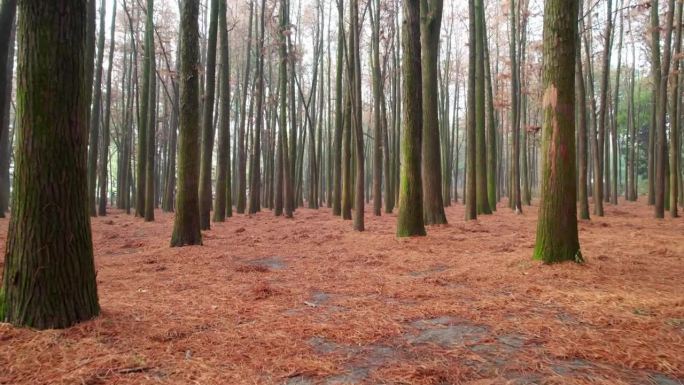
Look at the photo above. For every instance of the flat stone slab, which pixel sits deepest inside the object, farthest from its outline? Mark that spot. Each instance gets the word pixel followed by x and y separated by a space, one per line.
pixel 446 332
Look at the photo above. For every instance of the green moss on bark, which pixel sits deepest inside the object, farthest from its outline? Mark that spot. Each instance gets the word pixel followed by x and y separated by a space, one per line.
pixel 557 238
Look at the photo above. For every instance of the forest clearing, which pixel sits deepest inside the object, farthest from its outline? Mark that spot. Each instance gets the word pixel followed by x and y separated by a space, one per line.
pixel 322 192
pixel 305 301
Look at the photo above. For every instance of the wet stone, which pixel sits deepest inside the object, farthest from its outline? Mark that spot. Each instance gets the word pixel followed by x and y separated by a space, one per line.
pixel 661 379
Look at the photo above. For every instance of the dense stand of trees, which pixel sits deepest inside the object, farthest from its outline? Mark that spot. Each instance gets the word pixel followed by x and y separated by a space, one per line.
pixel 213 106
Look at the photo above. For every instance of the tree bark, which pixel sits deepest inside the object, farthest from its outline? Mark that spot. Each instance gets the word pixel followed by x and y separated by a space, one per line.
pixel 410 219
pixel 186 226
pixel 49 275
pixel 557 238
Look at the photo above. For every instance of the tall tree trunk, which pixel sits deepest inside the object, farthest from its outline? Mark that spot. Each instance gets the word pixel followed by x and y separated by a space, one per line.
pixel 469 187
pixel 223 205
pixel 430 29
pixel 656 75
pixel 661 122
pixel 49 274
pixel 151 74
pixel 410 219
pixel 581 105
pixel 557 238
pixel 616 104
pixel 675 100
pixel 7 12
pixel 255 169
pixel 377 84
pixel 241 154
pixel 491 131
pixel 339 115
pixel 205 194
pixel 186 225
pixel 95 117
pixel 597 192
pixel 104 156
pixel 482 202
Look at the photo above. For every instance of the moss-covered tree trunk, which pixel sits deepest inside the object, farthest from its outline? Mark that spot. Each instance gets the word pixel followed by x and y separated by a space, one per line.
pixel 49 276
pixel 223 205
pixel 208 121
pixel 557 238
pixel 104 155
pixel 430 29
pixel 186 226
pixel 410 219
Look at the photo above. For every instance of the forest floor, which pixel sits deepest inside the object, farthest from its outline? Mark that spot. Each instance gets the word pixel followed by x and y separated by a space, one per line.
pixel 309 301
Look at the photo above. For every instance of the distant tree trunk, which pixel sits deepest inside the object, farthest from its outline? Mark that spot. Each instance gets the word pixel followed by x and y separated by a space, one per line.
pixel 410 219
pixel 170 183
pixel 354 66
pixel 581 103
pixel 346 156
pixel 255 173
pixel 339 116
pixel 7 37
pixel 656 76
pixel 104 156
pixel 151 73
pixel 469 187
pixel 49 274
pixel 186 226
pixel 514 195
pixel 430 29
pixel 631 126
pixel 223 205
pixel 95 117
pixel 675 99
pixel 661 121
pixel 491 131
pixel 603 103
pixel 523 11
pixel 287 190
pixel 597 191
pixel 242 156
pixel 557 238
pixel 377 84
pixel 616 104
pixel 205 195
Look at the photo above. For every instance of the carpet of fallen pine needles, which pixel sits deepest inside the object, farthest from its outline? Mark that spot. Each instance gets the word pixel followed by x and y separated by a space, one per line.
pixel 309 301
